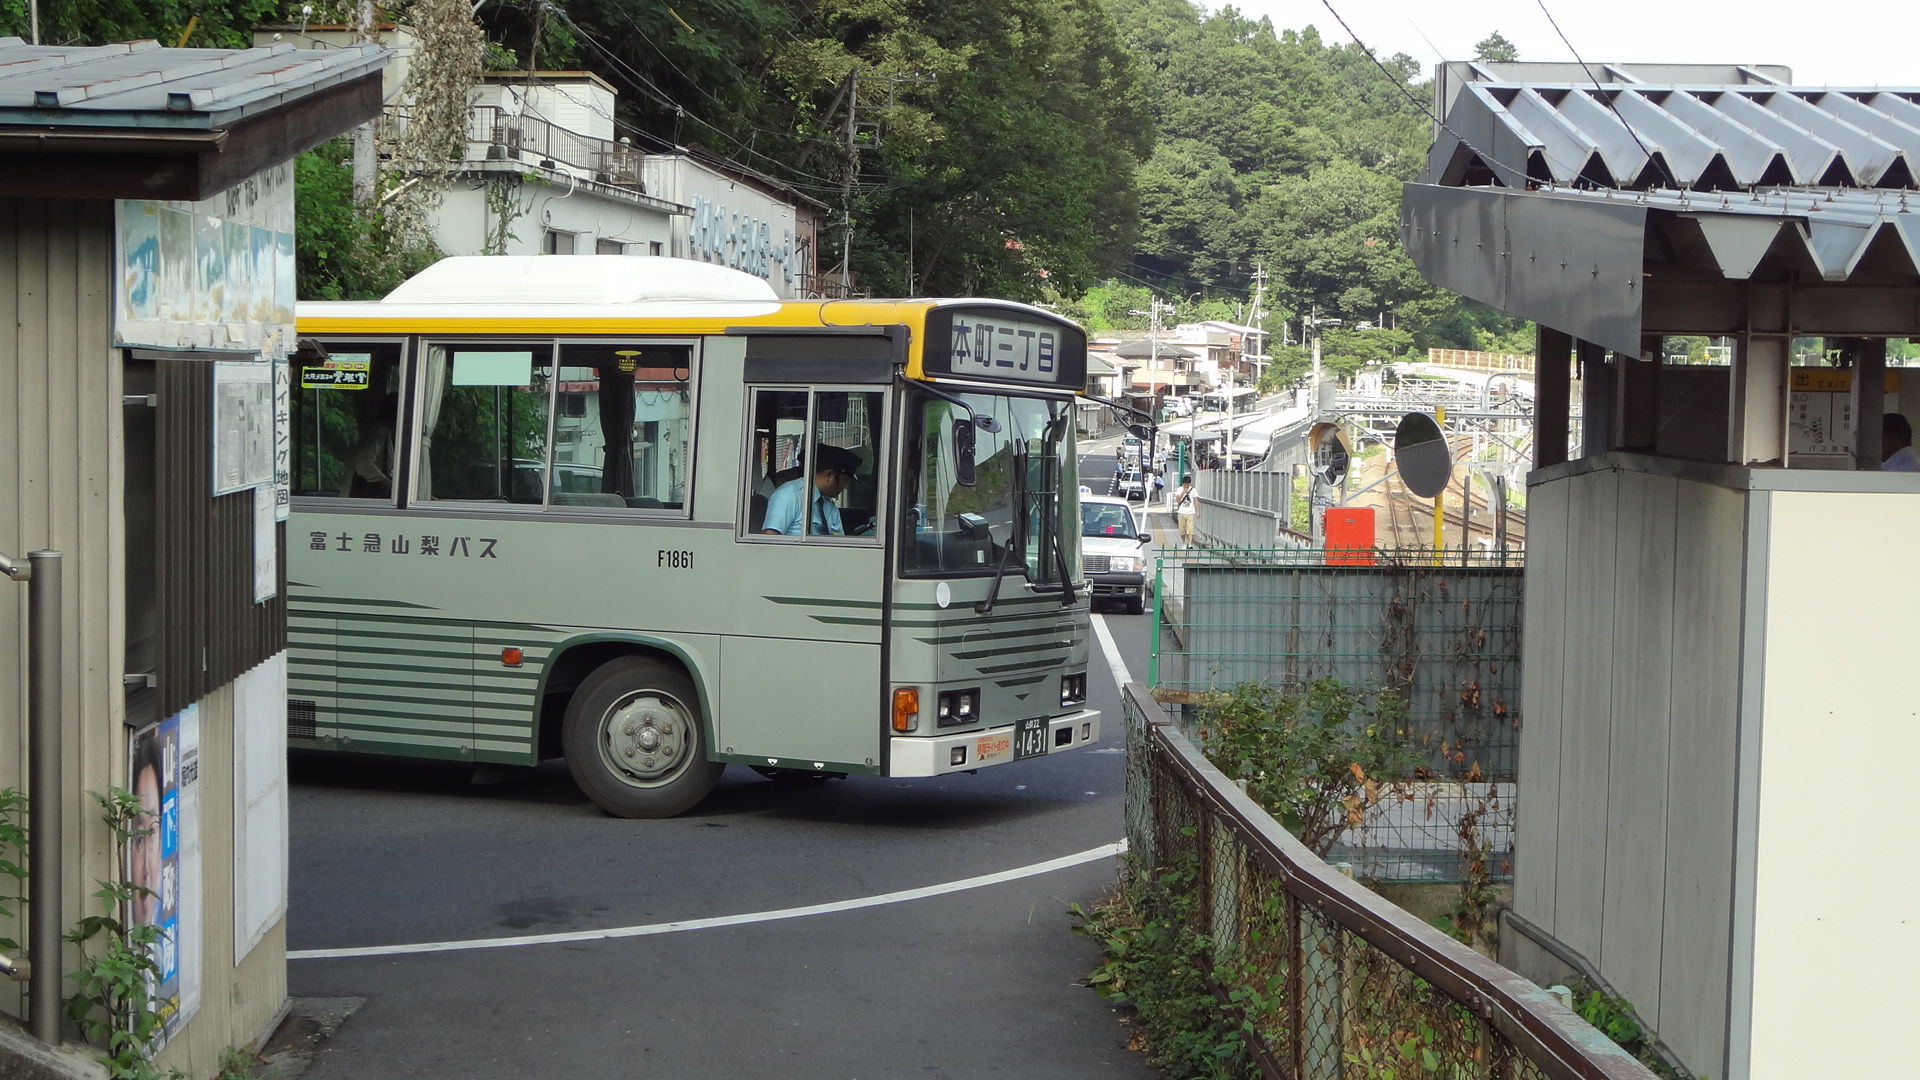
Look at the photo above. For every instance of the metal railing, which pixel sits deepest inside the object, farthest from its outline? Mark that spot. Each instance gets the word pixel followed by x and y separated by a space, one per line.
pixel 496 134
pixel 1444 639
pixel 1343 983
pixel 1475 360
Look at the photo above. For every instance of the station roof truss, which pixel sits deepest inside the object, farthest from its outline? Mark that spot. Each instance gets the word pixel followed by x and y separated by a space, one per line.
pixel 1626 207
pixel 138 120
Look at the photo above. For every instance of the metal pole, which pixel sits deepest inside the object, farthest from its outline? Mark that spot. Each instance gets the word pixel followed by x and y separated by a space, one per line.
pixel 43 787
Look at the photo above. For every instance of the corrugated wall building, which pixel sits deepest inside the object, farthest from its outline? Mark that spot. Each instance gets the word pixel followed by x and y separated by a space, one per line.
pixel 146 293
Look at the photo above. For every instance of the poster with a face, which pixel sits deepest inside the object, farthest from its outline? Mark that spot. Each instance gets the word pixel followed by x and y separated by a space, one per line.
pixel 153 856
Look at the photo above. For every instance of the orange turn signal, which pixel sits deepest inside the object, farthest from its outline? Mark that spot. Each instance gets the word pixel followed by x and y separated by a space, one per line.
pixel 906 707
pixel 511 657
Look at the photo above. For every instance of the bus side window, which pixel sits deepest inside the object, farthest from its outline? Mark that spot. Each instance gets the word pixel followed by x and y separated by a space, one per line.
pixel 776 446
pixel 792 434
pixel 623 424
pixel 483 413
pixel 346 419
pixel 850 421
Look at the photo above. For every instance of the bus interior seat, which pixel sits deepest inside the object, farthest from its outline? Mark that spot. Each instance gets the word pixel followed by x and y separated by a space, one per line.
pixel 756 512
pixel 588 498
pixel 646 502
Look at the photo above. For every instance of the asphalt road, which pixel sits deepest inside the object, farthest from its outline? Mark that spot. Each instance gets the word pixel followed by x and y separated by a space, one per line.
pixel 979 981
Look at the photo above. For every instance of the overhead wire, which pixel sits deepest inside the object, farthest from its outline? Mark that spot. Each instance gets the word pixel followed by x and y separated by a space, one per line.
pixel 1399 84
pixel 653 90
pixel 1608 101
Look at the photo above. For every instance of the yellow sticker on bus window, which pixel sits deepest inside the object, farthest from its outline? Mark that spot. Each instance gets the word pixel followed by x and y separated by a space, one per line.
pixel 336 375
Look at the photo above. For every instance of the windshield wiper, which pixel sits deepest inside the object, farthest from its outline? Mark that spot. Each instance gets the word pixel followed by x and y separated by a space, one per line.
pixel 1015 542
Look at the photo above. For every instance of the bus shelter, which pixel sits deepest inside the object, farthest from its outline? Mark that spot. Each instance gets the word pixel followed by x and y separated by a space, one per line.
pixel 1717 628
pixel 146 317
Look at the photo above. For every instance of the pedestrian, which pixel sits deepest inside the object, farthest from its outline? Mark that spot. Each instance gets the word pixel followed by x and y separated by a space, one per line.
pixel 1896 445
pixel 1183 509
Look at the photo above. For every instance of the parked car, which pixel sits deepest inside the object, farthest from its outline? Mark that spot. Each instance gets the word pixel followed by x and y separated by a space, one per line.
pixel 1113 551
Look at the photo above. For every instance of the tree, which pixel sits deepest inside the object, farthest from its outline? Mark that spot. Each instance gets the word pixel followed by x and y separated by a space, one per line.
pixel 1496 48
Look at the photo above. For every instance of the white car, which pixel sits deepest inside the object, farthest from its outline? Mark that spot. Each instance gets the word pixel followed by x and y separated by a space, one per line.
pixel 1113 551
pixel 1132 483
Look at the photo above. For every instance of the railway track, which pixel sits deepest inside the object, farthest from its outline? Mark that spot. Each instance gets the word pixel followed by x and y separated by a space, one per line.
pixel 1405 520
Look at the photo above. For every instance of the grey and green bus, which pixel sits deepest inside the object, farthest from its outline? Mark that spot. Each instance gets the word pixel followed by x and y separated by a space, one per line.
pixel 639 513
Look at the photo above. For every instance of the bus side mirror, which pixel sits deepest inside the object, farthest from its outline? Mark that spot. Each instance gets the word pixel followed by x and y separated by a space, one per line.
pixel 963 452
pixel 1142 431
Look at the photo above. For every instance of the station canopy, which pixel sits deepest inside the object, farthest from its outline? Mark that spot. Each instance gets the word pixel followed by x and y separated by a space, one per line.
pixel 1612 201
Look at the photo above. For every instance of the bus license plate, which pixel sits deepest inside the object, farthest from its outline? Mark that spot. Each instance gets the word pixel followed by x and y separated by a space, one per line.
pixel 1030 737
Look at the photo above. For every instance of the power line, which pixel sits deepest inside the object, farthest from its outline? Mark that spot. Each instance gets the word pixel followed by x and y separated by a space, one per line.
pixel 1602 95
pixel 647 86
pixel 1399 85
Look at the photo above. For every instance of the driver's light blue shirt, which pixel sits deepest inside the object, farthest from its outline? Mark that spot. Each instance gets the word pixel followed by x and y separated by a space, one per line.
pixel 784 510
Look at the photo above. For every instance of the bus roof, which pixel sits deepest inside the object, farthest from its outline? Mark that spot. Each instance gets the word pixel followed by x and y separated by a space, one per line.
pixel 543 294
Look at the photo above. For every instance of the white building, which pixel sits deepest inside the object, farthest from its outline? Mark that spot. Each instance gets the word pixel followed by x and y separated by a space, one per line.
pixel 545 172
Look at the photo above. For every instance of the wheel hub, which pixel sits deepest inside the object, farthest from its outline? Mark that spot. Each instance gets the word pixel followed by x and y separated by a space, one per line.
pixel 646 738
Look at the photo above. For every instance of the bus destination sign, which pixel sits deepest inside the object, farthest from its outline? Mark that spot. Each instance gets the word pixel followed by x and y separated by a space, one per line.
pixel 1001 345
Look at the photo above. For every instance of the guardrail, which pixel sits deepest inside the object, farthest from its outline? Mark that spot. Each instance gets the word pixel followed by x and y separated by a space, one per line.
pixel 495 133
pixel 1346 984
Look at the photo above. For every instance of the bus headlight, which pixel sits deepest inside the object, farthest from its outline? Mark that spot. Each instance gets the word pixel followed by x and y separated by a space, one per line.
pixel 1073 689
pixel 957 708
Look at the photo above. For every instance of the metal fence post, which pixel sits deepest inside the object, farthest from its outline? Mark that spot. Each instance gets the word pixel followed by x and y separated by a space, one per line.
pixel 41 575
pixel 43 740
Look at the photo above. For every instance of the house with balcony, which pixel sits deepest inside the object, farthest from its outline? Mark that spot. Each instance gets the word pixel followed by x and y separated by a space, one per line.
pixel 546 171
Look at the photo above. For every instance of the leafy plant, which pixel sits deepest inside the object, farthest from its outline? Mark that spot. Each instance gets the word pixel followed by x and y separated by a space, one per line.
pixel 1153 960
pixel 1611 1016
pixel 112 1003
pixel 1318 757
pixel 13 848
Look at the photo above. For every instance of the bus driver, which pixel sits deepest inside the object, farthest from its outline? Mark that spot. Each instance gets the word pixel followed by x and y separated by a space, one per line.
pixel 834 468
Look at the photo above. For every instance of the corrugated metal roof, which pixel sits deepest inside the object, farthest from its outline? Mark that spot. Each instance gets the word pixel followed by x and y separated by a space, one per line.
pixel 142 85
pixel 1691 137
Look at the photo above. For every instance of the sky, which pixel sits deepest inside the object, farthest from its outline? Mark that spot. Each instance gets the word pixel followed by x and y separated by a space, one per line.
pixel 1863 43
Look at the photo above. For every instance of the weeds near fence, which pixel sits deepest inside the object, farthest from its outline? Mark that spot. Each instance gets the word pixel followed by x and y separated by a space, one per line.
pixel 1318 757
pixel 1616 1018
pixel 1153 961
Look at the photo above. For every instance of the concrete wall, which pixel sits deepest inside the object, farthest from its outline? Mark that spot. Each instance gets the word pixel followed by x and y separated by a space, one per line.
pixel 1630 655
pixel 1834 941
pixel 465 223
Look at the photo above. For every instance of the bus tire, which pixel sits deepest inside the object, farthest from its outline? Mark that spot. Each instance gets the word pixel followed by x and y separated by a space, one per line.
pixel 634 741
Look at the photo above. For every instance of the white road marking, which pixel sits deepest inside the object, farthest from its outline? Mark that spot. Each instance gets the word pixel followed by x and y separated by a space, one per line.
pixel 1104 851
pixel 1116 666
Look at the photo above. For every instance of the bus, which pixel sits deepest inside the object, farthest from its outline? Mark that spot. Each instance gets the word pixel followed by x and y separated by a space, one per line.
pixel 1236 399
pixel 558 506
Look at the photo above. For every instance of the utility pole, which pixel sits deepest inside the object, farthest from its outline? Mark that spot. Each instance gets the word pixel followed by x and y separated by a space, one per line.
pixel 365 165
pixel 850 91
pixel 853 171
pixel 1259 319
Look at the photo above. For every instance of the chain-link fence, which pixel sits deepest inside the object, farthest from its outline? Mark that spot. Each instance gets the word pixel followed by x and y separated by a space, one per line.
pixel 1444 639
pixel 1332 980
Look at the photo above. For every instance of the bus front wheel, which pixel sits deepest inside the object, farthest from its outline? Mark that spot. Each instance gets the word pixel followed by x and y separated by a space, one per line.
pixel 633 739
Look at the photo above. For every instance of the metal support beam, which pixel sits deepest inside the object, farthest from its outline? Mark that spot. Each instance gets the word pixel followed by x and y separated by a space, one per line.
pixel 1869 399
pixel 1757 401
pixel 1552 389
pixel 1640 397
pixel 1597 405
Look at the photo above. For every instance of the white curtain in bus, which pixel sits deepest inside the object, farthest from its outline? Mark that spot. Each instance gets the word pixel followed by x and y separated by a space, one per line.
pixel 435 384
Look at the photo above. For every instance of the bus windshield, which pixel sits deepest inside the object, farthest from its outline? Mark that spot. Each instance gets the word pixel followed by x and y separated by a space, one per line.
pixel 1013 510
